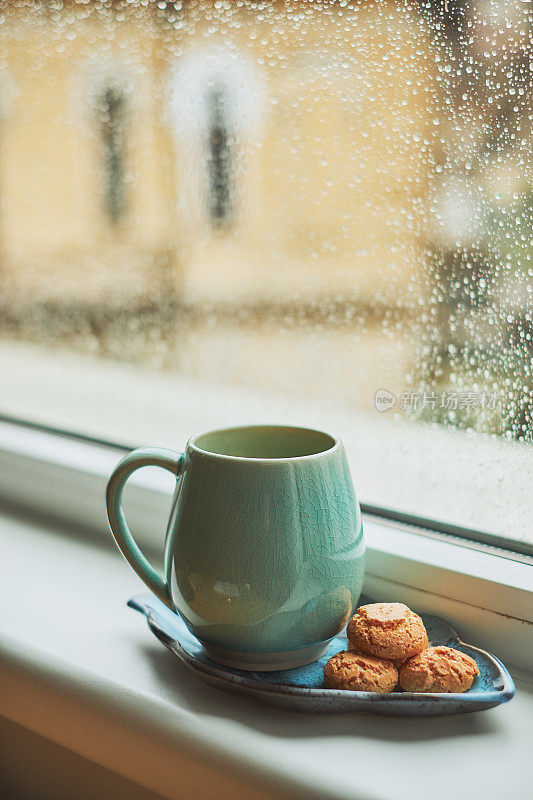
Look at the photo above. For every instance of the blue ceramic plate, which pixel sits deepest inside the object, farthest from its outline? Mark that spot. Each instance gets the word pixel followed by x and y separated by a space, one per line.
pixel 303 689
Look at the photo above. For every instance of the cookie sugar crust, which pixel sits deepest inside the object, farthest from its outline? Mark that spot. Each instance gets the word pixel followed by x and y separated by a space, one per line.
pixel 360 672
pixel 438 669
pixel 387 630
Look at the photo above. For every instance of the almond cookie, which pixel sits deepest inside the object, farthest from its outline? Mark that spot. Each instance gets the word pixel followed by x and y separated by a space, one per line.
pixel 438 669
pixel 360 673
pixel 387 630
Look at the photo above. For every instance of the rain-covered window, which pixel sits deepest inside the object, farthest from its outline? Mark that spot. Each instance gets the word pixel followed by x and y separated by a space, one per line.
pixel 312 212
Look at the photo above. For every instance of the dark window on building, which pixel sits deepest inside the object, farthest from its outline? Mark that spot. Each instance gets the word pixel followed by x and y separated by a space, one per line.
pixel 219 158
pixel 112 117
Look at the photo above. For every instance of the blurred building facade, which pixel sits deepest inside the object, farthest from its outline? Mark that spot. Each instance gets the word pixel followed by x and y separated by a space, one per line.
pixel 257 162
pixel 329 198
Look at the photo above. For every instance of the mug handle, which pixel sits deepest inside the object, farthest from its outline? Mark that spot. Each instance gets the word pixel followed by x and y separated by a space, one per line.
pixel 142 457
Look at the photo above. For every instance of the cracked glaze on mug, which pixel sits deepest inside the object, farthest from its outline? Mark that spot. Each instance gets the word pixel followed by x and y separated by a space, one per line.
pixel 265 555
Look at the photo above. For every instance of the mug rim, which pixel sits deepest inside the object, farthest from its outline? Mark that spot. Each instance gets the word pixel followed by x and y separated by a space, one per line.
pixel 192 443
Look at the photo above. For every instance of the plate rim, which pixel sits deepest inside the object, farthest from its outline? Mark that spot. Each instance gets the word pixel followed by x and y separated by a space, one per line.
pixel 141 604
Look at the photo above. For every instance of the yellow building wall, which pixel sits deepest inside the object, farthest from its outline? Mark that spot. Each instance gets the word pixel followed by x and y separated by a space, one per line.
pixel 332 173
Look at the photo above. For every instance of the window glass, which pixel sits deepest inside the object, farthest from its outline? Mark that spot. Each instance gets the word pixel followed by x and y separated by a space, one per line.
pixel 315 212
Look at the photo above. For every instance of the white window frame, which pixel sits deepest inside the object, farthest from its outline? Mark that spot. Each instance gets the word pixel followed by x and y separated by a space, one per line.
pixel 486 592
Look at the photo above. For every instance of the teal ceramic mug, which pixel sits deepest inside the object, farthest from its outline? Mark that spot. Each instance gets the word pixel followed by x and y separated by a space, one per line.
pixel 264 553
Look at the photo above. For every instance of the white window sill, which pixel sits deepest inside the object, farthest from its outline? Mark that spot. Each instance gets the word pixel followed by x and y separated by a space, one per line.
pixel 82 670
pixel 487 596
